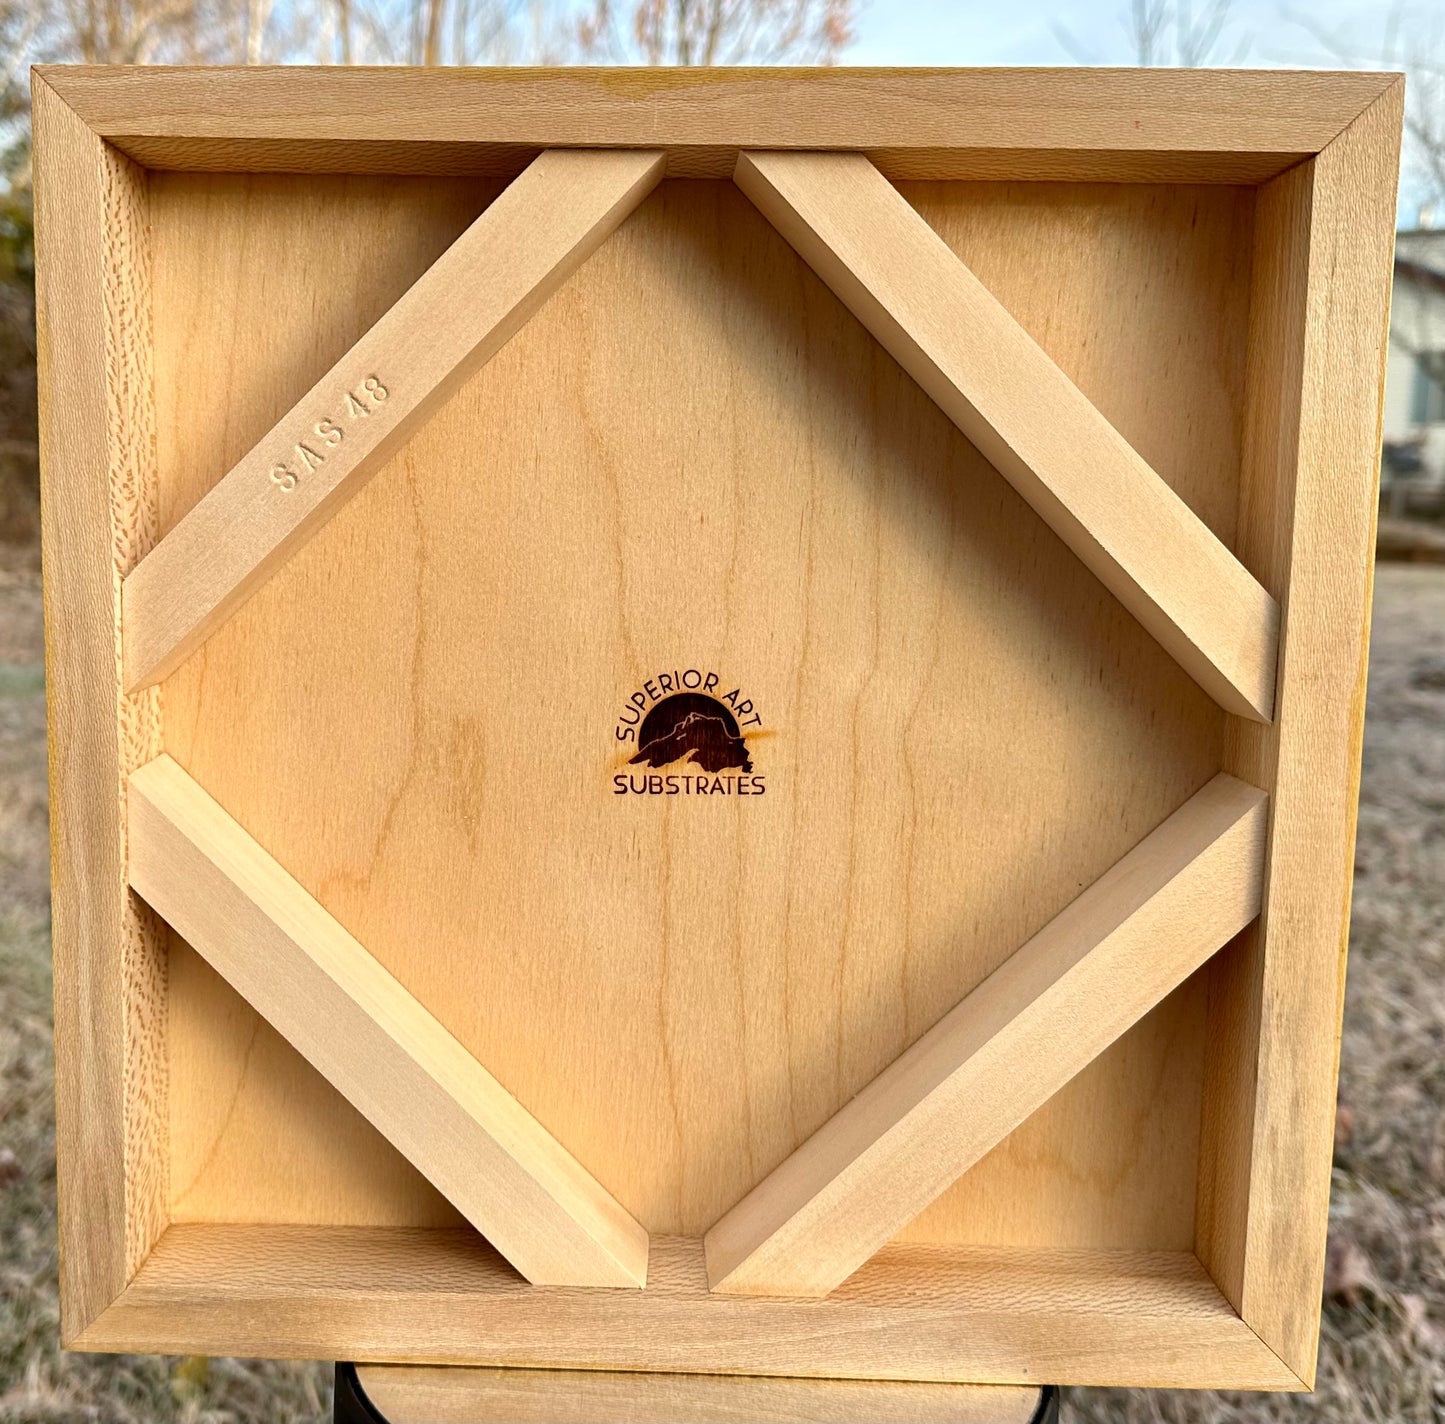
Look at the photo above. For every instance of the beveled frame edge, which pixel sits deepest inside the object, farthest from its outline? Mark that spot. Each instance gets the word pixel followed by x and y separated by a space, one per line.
pixel 1143 1318
pixel 1232 126
pixel 97 424
pixel 1324 236
pixel 1321 190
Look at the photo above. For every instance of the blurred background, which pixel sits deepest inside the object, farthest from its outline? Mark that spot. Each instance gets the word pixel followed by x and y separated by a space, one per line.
pixel 1383 1352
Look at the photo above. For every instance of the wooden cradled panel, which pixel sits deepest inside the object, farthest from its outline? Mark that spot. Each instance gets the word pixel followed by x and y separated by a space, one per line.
pixel 692 456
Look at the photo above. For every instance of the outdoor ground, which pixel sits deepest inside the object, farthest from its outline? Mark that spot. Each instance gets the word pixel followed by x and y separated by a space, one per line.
pixel 1383 1357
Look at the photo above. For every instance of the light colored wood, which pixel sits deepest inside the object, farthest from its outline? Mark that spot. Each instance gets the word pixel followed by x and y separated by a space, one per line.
pixel 839 550
pixel 1240 126
pixel 411 1394
pixel 727 472
pixel 237 1089
pixel 196 867
pixel 1118 351
pixel 469 304
pixel 900 279
pixel 914 1312
pixel 1307 520
pixel 1278 338
pixel 98 516
pixel 1089 974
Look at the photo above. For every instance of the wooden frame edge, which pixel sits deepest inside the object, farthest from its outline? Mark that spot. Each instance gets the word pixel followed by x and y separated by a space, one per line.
pixel 1151 1319
pixel 1308 491
pixel 98 517
pixel 1299 1049
pixel 1295 1381
pixel 1236 126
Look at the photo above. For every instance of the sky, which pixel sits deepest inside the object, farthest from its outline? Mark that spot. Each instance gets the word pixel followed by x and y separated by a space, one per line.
pixel 1026 31
pixel 1305 33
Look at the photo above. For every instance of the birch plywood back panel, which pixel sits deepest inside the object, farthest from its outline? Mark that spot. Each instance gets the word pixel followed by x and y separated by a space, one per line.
pixel 692 458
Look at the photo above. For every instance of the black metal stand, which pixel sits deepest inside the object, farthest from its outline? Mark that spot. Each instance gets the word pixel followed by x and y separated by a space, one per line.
pixel 353 1407
pixel 351 1404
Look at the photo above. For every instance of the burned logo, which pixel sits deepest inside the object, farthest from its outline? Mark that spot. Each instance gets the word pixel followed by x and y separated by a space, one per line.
pixel 690 737
pixel 691 727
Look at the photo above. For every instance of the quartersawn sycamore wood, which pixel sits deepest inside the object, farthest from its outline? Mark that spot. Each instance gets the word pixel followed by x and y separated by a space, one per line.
pixel 1094 970
pixel 1306 912
pixel 409 1394
pixel 1322 269
pixel 98 516
pixel 360 1028
pixel 1025 415
pixel 455 318
pixel 1239 126
pixel 946 1313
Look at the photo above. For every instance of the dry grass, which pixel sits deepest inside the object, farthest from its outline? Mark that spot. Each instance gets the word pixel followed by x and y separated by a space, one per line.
pixel 1383 1356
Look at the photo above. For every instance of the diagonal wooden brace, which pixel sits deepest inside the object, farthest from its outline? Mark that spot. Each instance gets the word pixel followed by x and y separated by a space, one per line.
pixel 457 316
pixel 1036 427
pixel 1043 1016
pixel 301 971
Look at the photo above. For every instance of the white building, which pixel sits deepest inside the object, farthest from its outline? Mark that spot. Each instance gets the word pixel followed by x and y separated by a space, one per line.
pixel 1413 470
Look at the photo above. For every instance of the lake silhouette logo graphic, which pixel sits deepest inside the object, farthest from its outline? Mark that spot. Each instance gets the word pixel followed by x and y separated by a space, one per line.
pixel 691 727
pixel 689 738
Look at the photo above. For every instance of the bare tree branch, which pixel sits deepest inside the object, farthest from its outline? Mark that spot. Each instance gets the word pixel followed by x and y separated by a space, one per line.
pixel 1169 32
pixel 717 32
pixel 1422 57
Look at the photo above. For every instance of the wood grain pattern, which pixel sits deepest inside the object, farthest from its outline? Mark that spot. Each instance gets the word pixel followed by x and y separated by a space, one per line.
pixel 410 1394
pixel 1033 424
pixel 406 1296
pixel 468 305
pixel 99 517
pixel 1307 513
pixel 237 1086
pixel 1278 337
pixel 880 593
pixel 293 963
pixel 1094 124
pixel 416 716
pixel 1049 1010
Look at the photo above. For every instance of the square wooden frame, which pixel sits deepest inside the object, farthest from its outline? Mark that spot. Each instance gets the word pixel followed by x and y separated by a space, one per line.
pixel 1242 1311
